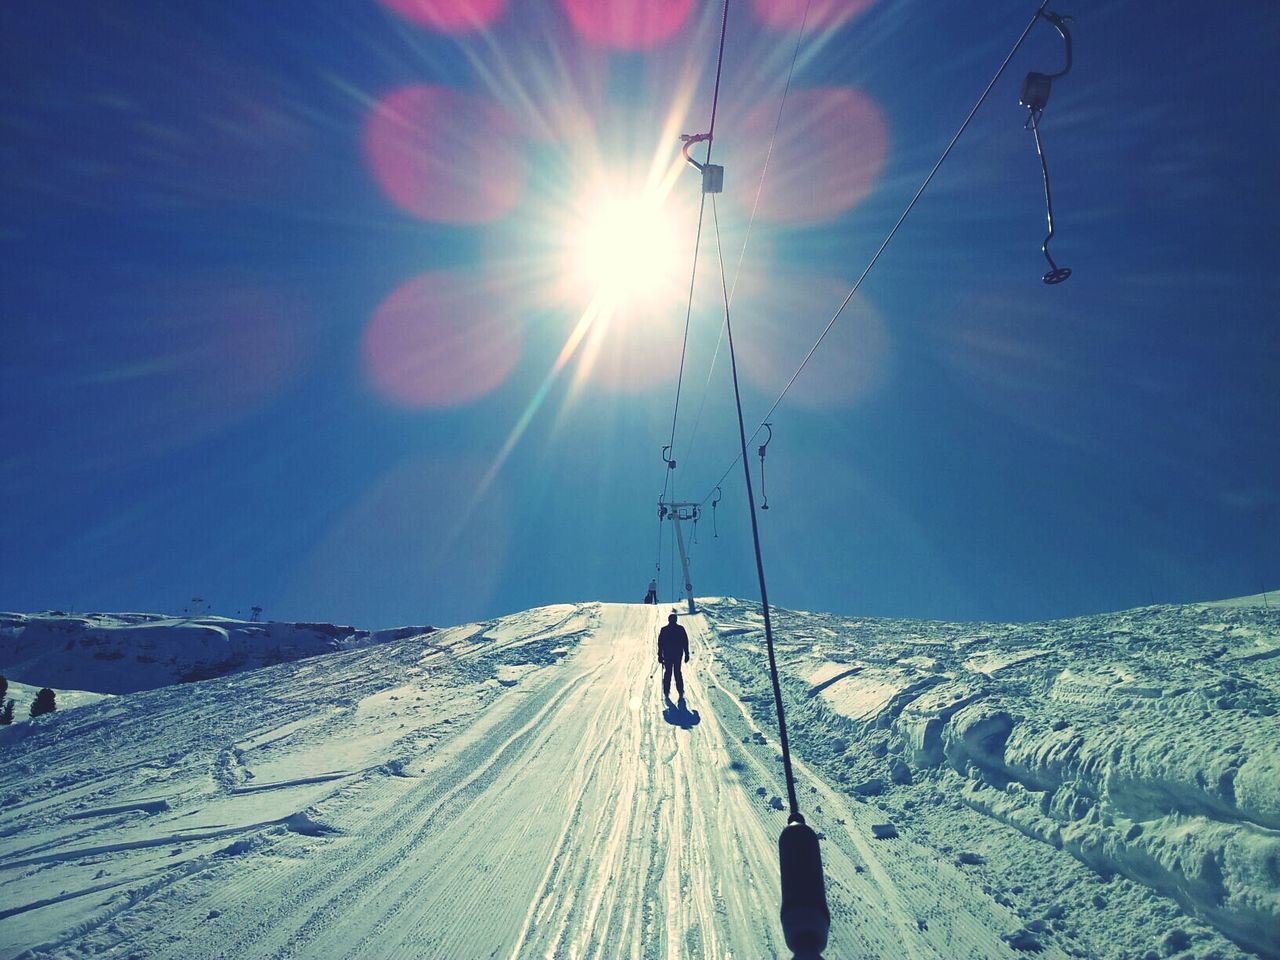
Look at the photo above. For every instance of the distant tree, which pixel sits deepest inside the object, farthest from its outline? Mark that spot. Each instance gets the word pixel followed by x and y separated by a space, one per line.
pixel 6 715
pixel 4 687
pixel 43 703
pixel 257 612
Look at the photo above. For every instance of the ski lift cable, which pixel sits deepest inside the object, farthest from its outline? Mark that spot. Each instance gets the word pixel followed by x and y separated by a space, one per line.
pixel 668 452
pixel 795 815
pixel 697 243
pixel 755 206
pixel 806 919
pixel 892 231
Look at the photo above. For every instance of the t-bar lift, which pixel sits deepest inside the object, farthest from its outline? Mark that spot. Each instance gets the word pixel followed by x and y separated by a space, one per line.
pixel 677 512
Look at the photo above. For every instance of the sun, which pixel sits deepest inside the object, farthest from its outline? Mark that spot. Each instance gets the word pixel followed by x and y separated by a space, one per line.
pixel 627 250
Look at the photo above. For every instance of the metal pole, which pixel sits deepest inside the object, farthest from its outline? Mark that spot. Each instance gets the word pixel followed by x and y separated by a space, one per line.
pixel 684 560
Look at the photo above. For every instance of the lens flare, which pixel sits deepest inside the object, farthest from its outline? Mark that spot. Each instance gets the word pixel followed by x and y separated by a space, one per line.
pixel 445 155
pixel 449 16
pixel 633 351
pixel 627 24
pixel 442 339
pixel 829 153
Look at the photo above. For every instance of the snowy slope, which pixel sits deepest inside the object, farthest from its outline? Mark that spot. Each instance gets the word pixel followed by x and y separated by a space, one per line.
pixel 22 695
pixel 517 788
pixel 1144 744
pixel 126 652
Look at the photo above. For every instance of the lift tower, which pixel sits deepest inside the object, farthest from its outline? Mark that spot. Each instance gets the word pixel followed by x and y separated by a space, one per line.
pixel 676 512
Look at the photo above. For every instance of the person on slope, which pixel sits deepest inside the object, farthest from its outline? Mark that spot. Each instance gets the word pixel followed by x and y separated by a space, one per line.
pixel 652 595
pixel 672 643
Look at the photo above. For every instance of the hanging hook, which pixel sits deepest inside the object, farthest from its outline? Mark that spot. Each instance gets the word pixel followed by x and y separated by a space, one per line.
pixel 671 464
pixel 763 447
pixel 689 139
pixel 712 173
pixel 1035 94
pixel 715 503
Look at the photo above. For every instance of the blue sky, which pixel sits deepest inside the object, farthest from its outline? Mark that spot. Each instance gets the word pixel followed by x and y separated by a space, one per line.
pixel 284 313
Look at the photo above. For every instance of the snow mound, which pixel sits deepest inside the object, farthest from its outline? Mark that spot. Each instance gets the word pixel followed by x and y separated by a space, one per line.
pixel 1145 744
pixel 127 652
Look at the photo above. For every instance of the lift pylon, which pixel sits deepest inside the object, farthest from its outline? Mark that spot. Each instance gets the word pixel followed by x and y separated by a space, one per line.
pixel 677 512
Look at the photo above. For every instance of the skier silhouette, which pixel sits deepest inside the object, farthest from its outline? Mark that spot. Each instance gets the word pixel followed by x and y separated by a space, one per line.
pixel 672 642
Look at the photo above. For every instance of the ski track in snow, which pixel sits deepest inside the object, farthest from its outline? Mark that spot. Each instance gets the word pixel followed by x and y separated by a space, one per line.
pixel 511 789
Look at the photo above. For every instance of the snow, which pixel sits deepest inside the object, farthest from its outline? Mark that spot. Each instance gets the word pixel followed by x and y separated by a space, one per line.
pixel 1101 787
pixel 127 652
pixel 23 694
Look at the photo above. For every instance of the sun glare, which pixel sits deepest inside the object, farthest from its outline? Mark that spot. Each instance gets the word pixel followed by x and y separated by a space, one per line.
pixel 627 251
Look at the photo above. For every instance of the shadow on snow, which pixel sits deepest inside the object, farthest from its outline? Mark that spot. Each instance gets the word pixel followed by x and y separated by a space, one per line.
pixel 679 715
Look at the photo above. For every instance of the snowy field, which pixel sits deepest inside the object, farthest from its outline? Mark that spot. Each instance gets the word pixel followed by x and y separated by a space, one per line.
pixel 1100 787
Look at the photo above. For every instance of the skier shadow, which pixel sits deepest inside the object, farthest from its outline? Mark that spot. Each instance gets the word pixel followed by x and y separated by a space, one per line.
pixel 679 715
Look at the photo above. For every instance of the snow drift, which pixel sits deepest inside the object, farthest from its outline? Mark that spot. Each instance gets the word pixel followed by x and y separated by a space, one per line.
pixel 1143 743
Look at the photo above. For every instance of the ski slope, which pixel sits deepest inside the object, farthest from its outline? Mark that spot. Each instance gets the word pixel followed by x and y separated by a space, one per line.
pixel 511 789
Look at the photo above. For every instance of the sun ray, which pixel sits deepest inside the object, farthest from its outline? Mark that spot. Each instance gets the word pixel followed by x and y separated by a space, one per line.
pixel 586 322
